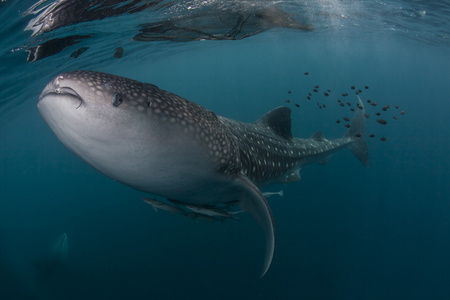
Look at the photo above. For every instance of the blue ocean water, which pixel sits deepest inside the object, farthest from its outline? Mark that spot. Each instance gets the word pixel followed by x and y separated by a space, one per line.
pixel 343 231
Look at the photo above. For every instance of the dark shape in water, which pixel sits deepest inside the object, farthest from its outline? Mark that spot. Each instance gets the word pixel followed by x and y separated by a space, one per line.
pixel 339 100
pixel 368 101
pixel 316 87
pixel 347 125
pixel 346 119
pixel 378 114
pixel 119 52
pixel 309 98
pixel 366 115
pixel 78 52
pixel 352 109
pixel 298 105
pixel 223 22
pixel 349 104
pixel 287 101
pixel 402 112
pixel 359 91
pixel 366 87
pixel 396 106
pixel 372 135
pixel 70 12
pixel 395 117
pixel 309 94
pixel 52 47
pixel 289 92
pixel 358 135
pixel 338 121
pixel 306 73
pixel 352 87
pixel 323 105
pixel 232 23
pixel 341 104
pixel 381 121
pixel 356 93
pixel 326 94
pixel 373 104
pixel 315 90
pixel 329 91
pixel 383 139
pixel 344 94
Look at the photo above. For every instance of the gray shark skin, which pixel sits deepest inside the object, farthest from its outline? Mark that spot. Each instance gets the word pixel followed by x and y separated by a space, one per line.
pixel 160 143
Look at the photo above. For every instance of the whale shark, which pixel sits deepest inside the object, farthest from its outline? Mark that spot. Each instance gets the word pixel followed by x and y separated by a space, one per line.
pixel 165 145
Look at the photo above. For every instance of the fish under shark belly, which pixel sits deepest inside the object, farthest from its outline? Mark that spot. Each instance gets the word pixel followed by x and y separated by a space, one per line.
pixel 160 143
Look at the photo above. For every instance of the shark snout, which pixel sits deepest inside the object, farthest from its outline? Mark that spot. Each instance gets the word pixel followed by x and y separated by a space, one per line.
pixel 56 95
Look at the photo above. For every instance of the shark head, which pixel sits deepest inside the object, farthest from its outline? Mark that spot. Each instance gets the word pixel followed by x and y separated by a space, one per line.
pixel 133 132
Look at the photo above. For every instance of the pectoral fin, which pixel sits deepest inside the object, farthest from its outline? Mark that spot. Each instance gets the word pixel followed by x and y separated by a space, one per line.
pixel 253 201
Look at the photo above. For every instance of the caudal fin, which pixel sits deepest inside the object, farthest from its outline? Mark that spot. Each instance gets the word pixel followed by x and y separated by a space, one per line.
pixel 356 133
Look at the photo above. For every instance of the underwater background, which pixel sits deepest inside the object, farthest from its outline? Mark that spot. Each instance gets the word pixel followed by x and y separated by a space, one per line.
pixel 343 231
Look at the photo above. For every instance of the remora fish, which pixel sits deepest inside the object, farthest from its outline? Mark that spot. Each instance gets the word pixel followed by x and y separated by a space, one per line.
pixel 160 143
pixel 270 194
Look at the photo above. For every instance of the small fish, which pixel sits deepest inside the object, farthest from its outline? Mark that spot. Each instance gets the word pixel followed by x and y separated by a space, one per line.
pixel 316 87
pixel 323 105
pixel 359 91
pixel 339 100
pixel 352 109
pixel 366 115
pixel 358 135
pixel 210 211
pixel 366 87
pixel 352 87
pixel 329 91
pixel 306 73
pixel 383 139
pixel 341 104
pixel 346 119
pixel 378 114
pixel 156 204
pixel 119 52
pixel 373 104
pixel 269 194
pixel 326 94
pixel 309 94
pixel 344 94
pixel 315 90
pixel 368 100
pixel 347 125
pixel 372 135
pixel 309 98
pixel 298 105
pixel 395 117
pixel 78 52
pixel 287 101
pixel 402 112
pixel 289 92
pixel 338 121
pixel 349 104
pixel 396 106
pixel 381 121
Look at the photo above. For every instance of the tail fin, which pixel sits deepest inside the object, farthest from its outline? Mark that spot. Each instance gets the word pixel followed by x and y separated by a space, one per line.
pixel 356 133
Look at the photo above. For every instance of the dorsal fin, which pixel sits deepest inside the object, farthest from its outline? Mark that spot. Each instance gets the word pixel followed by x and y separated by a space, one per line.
pixel 318 136
pixel 279 121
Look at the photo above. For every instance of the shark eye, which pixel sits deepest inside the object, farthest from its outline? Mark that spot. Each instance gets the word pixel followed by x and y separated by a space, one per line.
pixel 117 99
